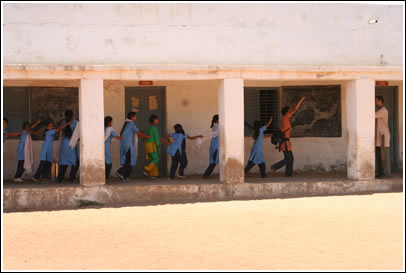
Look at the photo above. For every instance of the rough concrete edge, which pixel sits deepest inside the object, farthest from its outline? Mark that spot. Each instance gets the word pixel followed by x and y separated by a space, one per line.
pixel 31 199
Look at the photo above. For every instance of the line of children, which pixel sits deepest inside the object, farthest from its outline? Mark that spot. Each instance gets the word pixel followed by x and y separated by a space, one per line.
pixel 69 148
pixel 128 141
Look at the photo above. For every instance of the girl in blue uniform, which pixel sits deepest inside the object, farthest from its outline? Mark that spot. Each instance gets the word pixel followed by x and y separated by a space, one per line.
pixel 68 156
pixel 128 157
pixel 256 156
pixel 214 147
pixel 47 151
pixel 20 149
pixel 176 149
pixel 109 133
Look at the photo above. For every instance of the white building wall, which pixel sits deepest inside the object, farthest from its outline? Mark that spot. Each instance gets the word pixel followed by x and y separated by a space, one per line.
pixel 204 33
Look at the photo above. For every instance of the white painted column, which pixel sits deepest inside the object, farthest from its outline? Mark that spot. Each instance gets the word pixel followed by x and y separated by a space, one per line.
pixel 360 100
pixel 231 129
pixel 91 118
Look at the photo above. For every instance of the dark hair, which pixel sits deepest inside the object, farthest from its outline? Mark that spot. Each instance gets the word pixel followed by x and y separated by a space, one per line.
pixel 6 120
pixel 129 116
pixel 214 119
pixel 380 98
pixel 257 125
pixel 46 126
pixel 285 110
pixel 67 131
pixel 107 120
pixel 25 123
pixel 178 129
pixel 152 118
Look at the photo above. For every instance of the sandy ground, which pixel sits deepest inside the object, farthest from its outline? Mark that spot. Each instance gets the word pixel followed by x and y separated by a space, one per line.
pixel 342 232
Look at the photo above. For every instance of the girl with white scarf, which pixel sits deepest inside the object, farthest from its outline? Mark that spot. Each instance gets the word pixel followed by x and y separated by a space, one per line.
pixel 24 150
pixel 128 144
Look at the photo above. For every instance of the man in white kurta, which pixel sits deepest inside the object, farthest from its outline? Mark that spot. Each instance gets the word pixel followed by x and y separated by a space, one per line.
pixel 382 140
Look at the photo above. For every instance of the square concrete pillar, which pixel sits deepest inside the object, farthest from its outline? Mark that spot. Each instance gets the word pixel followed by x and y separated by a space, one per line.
pixel 360 101
pixel 231 130
pixel 91 119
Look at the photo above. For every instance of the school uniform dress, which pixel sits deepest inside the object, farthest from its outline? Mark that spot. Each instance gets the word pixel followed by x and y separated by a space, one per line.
pixel 128 157
pixel 213 152
pixel 107 154
pixel 152 151
pixel 68 157
pixel 175 150
pixel 20 155
pixel 46 156
pixel 256 156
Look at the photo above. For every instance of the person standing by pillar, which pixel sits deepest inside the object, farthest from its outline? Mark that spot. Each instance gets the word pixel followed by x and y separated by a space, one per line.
pixel 214 147
pixel 382 140
pixel 286 146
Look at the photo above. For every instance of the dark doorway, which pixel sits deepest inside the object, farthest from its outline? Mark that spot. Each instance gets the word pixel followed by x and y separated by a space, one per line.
pixel 390 96
pixel 146 101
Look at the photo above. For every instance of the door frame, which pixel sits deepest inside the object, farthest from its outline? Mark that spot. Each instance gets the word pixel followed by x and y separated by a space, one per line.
pixel 395 117
pixel 163 120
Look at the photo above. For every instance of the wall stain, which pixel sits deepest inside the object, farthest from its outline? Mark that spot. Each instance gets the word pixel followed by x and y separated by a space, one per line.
pixel 234 171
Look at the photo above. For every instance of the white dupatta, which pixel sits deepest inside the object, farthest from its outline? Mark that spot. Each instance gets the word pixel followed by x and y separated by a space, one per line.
pixel 107 132
pixel 28 156
pixel 75 136
pixel 208 136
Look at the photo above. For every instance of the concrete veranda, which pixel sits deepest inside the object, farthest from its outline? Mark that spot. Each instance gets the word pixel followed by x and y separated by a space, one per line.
pixel 29 196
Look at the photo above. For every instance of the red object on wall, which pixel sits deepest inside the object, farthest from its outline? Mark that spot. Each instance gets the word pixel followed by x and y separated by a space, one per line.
pixel 145 82
pixel 382 83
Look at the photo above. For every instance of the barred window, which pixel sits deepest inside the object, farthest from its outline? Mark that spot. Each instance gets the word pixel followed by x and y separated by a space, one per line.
pixel 259 104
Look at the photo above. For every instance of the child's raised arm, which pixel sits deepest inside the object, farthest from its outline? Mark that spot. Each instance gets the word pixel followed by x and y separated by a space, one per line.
pixel 194 137
pixel 63 126
pixel 269 122
pixel 142 135
pixel 35 124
